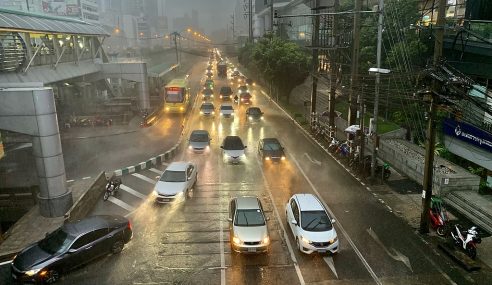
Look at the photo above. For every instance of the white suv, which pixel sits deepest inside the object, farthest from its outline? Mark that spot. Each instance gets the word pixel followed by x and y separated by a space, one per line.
pixel 311 225
pixel 247 225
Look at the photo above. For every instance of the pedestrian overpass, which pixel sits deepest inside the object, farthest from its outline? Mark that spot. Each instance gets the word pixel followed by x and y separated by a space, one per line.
pixel 39 50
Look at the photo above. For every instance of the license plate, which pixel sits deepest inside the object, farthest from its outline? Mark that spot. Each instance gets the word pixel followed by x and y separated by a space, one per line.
pixel 321 250
pixel 166 200
pixel 251 249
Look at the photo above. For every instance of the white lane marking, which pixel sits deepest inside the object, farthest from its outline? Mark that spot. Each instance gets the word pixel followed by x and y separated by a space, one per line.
pixel 144 178
pixel 331 264
pixel 312 160
pixel 286 237
pixel 222 256
pixel 345 234
pixel 87 177
pixel 396 255
pixel 156 171
pixel 121 203
pixel 71 180
pixel 131 191
pixel 5 262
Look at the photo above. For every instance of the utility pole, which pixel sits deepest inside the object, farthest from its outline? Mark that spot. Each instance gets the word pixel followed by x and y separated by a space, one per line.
pixel 431 134
pixel 232 17
pixel 376 97
pixel 250 19
pixel 271 15
pixel 176 46
pixel 355 65
pixel 315 44
pixel 334 73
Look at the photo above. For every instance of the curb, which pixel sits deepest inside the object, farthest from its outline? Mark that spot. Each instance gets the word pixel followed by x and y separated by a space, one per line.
pixel 156 160
pixel 466 263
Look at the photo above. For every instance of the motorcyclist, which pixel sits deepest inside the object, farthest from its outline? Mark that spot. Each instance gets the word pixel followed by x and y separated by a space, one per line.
pixel 236 98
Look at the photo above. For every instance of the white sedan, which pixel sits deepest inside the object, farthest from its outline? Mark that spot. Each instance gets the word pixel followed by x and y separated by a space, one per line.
pixel 311 225
pixel 176 182
pixel 226 110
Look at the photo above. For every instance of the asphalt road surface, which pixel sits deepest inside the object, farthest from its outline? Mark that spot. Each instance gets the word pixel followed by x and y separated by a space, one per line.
pixel 188 242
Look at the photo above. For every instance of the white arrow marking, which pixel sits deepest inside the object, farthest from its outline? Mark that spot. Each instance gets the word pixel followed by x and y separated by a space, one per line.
pixel 312 160
pixel 331 264
pixel 396 255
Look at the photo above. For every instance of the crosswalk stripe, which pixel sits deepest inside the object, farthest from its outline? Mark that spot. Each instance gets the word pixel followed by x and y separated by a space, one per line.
pixel 121 203
pixel 145 178
pixel 156 171
pixel 131 191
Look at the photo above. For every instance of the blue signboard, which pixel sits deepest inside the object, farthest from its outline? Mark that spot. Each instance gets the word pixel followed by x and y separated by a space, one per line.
pixel 468 133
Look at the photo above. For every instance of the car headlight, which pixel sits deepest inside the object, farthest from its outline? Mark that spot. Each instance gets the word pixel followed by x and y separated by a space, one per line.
pixel 261 117
pixel 167 108
pixel 267 158
pixel 236 240
pixel 250 117
pixel 33 272
pixel 266 240
pixel 221 114
pixel 333 240
pixel 283 157
pixel 182 108
pixel 155 193
pixel 190 147
pixel 201 112
pixel 305 240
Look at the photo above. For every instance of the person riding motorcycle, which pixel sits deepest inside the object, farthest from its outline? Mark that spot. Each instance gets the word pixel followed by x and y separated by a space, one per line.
pixel 236 99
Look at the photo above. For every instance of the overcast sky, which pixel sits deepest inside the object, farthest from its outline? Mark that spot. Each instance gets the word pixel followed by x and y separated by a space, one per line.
pixel 212 14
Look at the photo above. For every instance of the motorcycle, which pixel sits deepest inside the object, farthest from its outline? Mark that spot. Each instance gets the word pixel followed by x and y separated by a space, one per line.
pixel 438 216
pixel 333 146
pixel 466 240
pixel 112 187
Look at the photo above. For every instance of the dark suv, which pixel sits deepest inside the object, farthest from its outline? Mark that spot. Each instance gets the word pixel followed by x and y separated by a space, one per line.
pixel 225 92
pixel 271 149
pixel 70 246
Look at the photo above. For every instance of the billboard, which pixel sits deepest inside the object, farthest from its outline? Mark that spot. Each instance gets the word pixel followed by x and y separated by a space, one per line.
pixel 468 133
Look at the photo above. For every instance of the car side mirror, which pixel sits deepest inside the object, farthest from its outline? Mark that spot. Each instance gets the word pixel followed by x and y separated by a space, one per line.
pixel 229 219
pixel 294 222
pixel 72 250
pixel 333 221
pixel 221 146
pixel 245 146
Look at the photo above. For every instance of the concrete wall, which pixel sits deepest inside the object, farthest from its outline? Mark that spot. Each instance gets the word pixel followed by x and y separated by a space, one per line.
pixel 84 205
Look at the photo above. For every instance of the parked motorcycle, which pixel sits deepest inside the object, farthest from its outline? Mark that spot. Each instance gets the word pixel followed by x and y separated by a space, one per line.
pixel 466 240
pixel 112 187
pixel 333 146
pixel 438 216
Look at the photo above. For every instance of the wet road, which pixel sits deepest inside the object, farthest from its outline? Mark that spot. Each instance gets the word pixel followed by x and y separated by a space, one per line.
pixel 188 243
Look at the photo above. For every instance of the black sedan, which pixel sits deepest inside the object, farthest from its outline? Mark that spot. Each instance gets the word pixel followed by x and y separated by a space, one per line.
pixel 70 246
pixel 254 113
pixel 270 149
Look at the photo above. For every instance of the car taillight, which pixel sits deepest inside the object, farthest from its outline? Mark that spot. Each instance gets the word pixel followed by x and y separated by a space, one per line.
pixel 129 226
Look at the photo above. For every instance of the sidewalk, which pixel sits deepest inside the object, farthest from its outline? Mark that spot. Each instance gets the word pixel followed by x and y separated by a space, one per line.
pixel 33 227
pixel 93 132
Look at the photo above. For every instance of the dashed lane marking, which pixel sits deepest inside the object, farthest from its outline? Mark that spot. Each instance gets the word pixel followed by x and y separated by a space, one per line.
pixel 131 191
pixel 71 180
pixel 87 177
pixel 121 203
pixel 144 178
pixel 156 171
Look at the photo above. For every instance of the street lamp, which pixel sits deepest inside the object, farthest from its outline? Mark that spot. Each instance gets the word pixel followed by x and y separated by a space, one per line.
pixel 377 71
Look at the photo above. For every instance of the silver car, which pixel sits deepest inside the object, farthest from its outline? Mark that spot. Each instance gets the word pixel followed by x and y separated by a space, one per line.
pixel 199 141
pixel 247 225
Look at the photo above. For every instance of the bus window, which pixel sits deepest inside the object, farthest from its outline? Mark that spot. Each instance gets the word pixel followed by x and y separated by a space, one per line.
pixel 174 95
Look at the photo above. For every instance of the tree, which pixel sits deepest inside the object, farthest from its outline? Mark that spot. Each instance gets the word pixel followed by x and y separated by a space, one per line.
pixel 281 63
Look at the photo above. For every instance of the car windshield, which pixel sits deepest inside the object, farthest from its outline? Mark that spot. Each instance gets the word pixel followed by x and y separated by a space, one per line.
pixel 249 218
pixel 226 107
pixel 233 143
pixel 56 242
pixel 226 90
pixel 254 111
pixel 315 221
pixel 207 91
pixel 173 176
pixel 207 106
pixel 272 146
pixel 199 137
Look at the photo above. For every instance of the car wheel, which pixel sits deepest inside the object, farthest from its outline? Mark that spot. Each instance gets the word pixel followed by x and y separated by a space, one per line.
pixel 52 276
pixel 298 245
pixel 117 247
